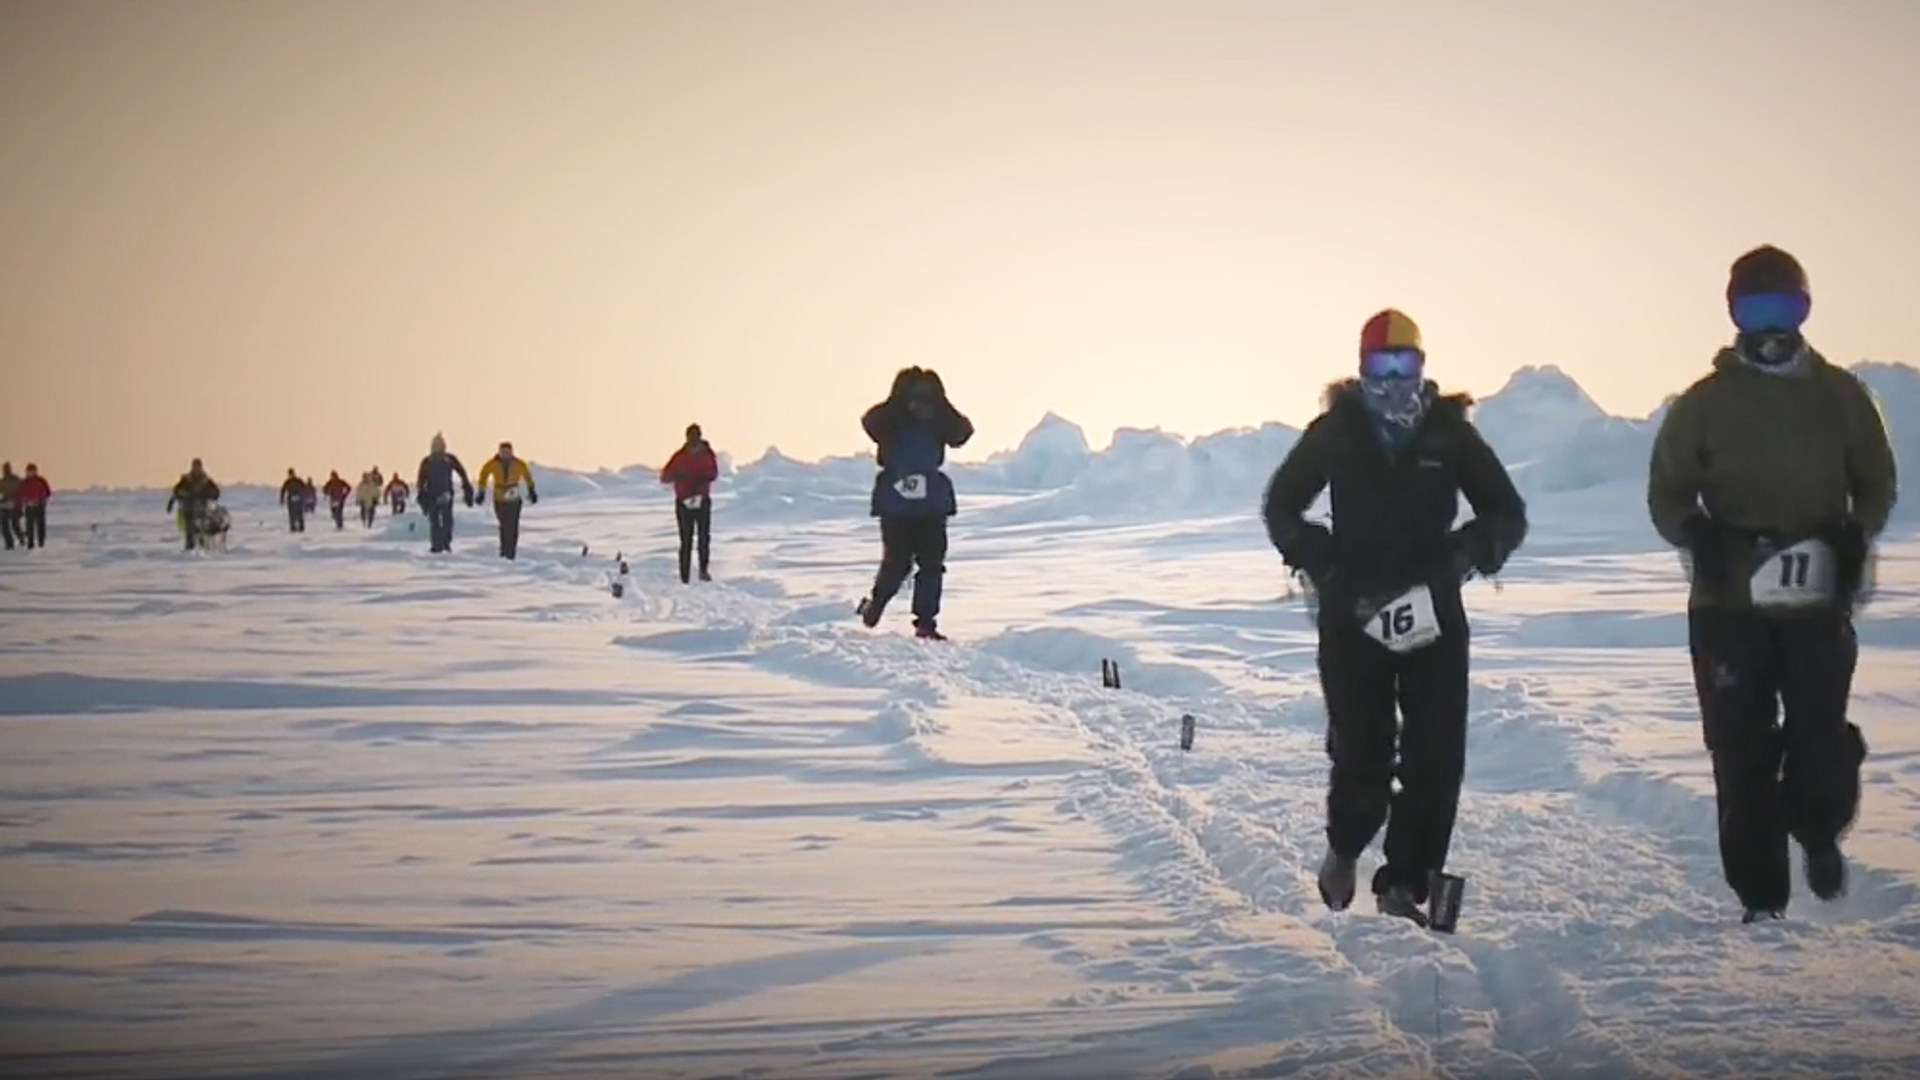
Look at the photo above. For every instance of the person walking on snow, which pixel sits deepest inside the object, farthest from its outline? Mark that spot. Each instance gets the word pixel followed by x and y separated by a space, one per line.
pixel 337 491
pixel 10 523
pixel 511 481
pixel 293 496
pixel 31 497
pixel 434 482
pixel 1773 475
pixel 912 496
pixel 194 495
pixel 313 501
pixel 367 496
pixel 1392 625
pixel 692 470
pixel 397 492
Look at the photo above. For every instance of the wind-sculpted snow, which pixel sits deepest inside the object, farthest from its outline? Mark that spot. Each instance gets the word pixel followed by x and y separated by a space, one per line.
pixel 1554 438
pixel 327 807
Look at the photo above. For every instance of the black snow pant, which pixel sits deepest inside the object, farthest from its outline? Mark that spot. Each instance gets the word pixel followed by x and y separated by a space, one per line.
pixel 368 512
pixel 296 516
pixel 508 514
pixel 906 543
pixel 696 530
pixel 9 526
pixel 440 522
pixel 34 528
pixel 1393 716
pixel 1776 780
pixel 339 515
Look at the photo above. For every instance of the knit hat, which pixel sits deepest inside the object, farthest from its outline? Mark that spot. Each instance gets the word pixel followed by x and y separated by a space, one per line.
pixel 1390 329
pixel 1767 292
pixel 1765 269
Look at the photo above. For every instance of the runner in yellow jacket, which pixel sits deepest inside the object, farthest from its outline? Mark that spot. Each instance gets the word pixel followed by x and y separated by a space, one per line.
pixel 511 481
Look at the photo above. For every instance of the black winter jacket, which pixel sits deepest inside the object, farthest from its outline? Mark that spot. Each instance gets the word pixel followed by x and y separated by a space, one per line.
pixel 1392 514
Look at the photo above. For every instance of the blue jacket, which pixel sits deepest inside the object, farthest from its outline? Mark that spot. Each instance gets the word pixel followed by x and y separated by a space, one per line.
pixel 436 477
pixel 910 454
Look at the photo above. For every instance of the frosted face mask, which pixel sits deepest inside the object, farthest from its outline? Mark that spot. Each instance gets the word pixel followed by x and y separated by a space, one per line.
pixel 1395 399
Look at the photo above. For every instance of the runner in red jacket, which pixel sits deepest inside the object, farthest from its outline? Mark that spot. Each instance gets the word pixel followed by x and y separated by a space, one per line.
pixel 31 497
pixel 692 470
pixel 337 491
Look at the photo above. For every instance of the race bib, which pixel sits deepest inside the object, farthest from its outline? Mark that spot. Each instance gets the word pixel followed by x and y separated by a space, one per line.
pixel 694 502
pixel 1794 577
pixel 510 493
pixel 911 487
pixel 1407 622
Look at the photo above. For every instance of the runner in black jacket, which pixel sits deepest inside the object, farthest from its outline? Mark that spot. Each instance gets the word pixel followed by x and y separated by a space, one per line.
pixel 1393 629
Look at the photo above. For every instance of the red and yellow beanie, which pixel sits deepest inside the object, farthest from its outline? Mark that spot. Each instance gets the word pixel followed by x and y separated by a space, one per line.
pixel 1390 329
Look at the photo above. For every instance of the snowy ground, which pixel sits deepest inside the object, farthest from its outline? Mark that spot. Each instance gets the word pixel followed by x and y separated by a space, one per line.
pixel 324 806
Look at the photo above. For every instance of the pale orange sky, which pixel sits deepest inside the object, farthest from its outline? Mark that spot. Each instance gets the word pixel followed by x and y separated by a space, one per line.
pixel 277 233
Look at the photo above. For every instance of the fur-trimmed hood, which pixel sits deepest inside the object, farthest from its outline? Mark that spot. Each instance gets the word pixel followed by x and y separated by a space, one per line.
pixel 1346 393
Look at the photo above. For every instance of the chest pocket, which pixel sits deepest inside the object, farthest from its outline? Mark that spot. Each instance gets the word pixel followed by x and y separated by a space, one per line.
pixel 1390 499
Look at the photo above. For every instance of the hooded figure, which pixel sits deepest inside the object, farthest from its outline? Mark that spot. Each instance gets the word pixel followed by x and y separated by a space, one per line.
pixel 293 496
pixel 692 470
pixel 435 485
pixel 511 482
pixel 1773 475
pixel 194 495
pixel 1393 636
pixel 912 496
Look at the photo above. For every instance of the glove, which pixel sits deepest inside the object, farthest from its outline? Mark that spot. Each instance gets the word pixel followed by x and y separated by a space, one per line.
pixel 1706 546
pixel 467 494
pixel 533 496
pixel 1850 554
pixel 1471 552
pixel 1310 551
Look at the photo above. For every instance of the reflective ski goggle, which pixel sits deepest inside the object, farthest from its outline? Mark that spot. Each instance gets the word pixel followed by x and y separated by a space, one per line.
pixel 1392 363
pixel 1761 312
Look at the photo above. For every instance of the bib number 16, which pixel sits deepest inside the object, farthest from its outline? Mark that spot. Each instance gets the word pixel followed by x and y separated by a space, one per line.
pixel 1407 622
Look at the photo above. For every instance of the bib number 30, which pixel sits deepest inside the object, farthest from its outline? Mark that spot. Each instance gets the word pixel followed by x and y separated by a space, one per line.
pixel 1794 577
pixel 911 487
pixel 1407 622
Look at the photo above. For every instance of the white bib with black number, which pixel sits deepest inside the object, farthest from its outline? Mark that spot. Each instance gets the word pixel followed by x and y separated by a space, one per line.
pixel 694 502
pixel 510 493
pixel 1406 622
pixel 1794 577
pixel 913 486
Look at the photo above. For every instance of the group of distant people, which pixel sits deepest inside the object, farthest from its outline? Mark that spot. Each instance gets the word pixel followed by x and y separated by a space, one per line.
pixel 23 507
pixel 301 497
pixel 505 480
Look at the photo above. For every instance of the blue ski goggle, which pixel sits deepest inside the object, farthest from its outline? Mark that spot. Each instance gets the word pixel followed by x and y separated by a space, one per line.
pixel 1776 311
pixel 1392 364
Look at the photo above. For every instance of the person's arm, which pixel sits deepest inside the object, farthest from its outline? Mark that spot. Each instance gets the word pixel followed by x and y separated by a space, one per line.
pixel 671 470
pixel 1499 524
pixel 1872 472
pixel 709 466
pixel 1675 477
pixel 880 421
pixel 1301 477
pixel 958 429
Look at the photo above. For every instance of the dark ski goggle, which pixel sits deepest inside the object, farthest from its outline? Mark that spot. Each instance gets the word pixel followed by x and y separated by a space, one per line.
pixel 1761 312
pixel 1392 363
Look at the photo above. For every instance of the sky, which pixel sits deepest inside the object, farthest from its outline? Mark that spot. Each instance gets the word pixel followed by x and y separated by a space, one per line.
pixel 313 234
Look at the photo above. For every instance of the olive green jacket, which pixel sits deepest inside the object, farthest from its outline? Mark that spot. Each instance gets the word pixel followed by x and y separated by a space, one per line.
pixel 1779 455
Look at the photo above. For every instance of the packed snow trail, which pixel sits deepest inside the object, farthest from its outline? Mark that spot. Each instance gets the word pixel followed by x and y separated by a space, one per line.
pixel 468 817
